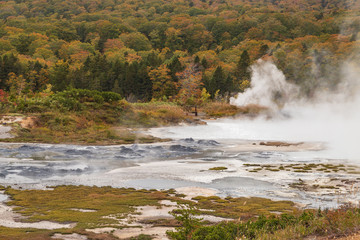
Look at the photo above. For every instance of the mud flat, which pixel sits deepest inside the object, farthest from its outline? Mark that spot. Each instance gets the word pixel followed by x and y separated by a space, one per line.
pixel 229 167
pixel 201 170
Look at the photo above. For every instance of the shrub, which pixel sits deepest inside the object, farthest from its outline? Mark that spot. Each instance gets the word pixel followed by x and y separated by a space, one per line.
pixel 73 99
pixel 186 216
pixel 30 106
pixel 110 96
pixel 339 222
pixel 63 102
pixel 219 109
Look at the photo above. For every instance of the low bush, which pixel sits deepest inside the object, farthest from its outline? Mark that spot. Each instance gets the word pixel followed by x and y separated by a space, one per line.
pixel 331 223
pixel 154 114
pixel 221 109
pixel 73 99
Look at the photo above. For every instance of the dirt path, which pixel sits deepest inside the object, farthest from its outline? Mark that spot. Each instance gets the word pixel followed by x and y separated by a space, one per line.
pixel 352 237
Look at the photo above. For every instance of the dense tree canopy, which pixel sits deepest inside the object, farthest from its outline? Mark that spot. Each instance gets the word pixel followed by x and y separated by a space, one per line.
pixel 138 48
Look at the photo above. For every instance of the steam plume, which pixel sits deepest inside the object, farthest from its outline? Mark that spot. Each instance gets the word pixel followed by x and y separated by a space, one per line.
pixel 268 87
pixel 331 116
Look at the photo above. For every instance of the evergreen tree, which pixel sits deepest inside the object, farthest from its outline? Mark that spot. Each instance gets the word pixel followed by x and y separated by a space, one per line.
pixel 242 71
pixel 103 73
pixel 263 50
pixel 80 78
pixel 82 31
pixel 118 74
pixel 60 76
pixel 229 85
pixel 116 88
pixel 8 64
pixel 204 63
pixel 153 60
pixel 175 66
pixel 217 83
pixel 196 59
pixel 144 84
pixel 128 84
pixel 206 82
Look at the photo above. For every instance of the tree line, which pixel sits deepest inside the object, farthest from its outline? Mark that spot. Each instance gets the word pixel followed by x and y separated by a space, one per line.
pixel 157 49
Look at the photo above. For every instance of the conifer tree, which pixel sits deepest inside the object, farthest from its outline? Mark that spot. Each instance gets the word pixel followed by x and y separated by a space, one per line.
pixel 144 90
pixel 8 64
pixel 242 71
pixel 217 82
pixel 175 66
pixel 204 63
pixel 60 76
pixel 196 59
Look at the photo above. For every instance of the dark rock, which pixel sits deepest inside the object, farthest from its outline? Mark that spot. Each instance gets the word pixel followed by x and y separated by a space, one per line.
pixel 208 142
pixel 156 148
pixel 180 148
pixel 129 152
pixel 30 148
pixel 77 152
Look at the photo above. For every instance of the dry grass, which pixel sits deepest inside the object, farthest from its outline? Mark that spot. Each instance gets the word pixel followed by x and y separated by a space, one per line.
pixel 221 109
pixel 157 114
pixel 94 123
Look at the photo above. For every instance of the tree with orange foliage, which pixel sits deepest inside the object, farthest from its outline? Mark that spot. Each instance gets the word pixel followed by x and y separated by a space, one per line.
pixel 16 84
pixel 190 87
pixel 162 84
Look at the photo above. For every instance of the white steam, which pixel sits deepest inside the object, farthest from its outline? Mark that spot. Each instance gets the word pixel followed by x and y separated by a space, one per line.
pixel 331 117
pixel 268 87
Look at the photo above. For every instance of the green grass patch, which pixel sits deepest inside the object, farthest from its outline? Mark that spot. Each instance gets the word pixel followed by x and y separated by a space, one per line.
pixel 242 207
pixel 60 204
pixel 309 223
pixel 218 168
pixel 303 168
pixel 56 205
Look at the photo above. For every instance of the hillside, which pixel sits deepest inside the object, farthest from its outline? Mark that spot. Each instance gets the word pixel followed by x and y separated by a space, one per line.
pixel 145 50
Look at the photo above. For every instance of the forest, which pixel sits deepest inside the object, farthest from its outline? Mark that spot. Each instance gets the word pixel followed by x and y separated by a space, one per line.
pixel 182 51
pixel 97 73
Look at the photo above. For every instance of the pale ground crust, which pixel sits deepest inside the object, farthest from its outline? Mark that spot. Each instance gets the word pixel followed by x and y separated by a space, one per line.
pixel 133 225
pixel 254 146
pixel 10 219
pixel 7 120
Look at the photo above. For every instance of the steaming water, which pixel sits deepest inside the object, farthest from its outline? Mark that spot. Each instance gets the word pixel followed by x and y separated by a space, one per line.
pixel 331 117
pixel 339 132
pixel 181 163
pixel 186 161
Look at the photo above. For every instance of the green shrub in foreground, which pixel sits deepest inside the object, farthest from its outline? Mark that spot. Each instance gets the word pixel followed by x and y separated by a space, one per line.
pixel 339 222
pixel 72 99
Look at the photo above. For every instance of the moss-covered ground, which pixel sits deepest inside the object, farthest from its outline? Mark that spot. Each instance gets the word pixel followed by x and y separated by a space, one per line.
pixel 109 205
pixel 304 168
pixel 253 218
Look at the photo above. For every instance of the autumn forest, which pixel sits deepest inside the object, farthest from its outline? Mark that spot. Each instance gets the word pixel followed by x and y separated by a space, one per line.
pixel 181 50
